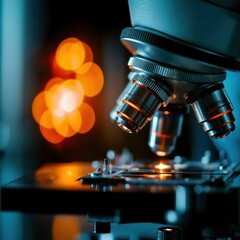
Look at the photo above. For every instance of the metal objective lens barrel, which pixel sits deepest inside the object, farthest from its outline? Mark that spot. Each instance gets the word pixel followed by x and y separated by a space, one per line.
pixel 213 110
pixel 165 128
pixel 142 98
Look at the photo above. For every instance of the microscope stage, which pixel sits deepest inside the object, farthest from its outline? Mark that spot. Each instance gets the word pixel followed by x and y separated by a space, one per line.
pixel 80 188
pixel 162 173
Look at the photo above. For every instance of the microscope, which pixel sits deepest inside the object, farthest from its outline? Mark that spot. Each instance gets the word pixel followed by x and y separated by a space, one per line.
pixel 181 53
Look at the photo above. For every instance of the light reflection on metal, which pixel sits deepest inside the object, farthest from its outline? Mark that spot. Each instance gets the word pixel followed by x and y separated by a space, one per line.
pixel 62 174
pixel 164 176
pixel 161 167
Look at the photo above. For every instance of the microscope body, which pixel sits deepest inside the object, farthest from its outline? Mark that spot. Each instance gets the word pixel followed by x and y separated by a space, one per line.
pixel 181 51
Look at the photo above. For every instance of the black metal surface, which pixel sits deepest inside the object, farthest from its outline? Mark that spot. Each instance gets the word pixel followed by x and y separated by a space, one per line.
pixel 137 38
pixel 72 188
pixel 51 190
pixel 52 194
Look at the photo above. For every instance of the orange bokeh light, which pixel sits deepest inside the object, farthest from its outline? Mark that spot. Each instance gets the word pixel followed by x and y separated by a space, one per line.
pixel 51 135
pixel 88 53
pixel 39 106
pixel 91 77
pixel 59 71
pixel 68 124
pixel 63 128
pixel 75 120
pixel 46 120
pixel 88 117
pixel 52 82
pixel 59 109
pixel 70 54
pixel 65 97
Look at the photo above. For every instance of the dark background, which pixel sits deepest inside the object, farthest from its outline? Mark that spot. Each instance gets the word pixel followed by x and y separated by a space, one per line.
pixel 30 32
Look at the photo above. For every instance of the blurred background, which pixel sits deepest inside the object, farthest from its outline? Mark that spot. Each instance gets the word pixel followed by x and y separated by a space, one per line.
pixel 30 34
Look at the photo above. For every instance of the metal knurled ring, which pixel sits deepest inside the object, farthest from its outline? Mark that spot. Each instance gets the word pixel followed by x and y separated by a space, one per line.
pixel 152 85
pixel 144 65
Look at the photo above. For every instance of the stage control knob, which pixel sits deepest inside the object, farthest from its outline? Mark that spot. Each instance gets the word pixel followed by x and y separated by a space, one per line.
pixel 169 233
